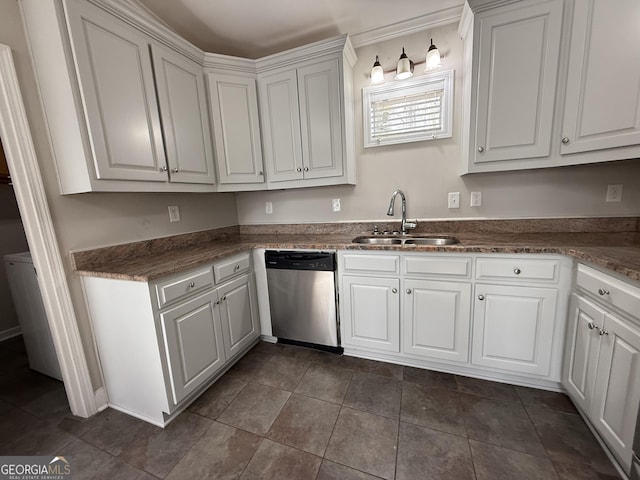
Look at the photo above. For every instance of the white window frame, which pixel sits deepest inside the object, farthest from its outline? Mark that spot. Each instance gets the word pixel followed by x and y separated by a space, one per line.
pixel 441 80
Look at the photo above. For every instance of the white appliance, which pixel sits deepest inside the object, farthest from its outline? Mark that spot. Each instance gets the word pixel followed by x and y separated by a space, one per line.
pixel 23 283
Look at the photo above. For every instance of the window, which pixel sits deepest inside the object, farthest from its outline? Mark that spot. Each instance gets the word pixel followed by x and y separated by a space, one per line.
pixel 408 111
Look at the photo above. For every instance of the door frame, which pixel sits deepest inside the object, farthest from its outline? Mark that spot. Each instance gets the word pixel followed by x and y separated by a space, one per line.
pixel 41 237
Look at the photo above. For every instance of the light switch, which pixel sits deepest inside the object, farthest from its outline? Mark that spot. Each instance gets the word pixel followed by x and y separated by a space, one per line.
pixel 454 199
pixel 174 213
pixel 268 208
pixel 614 193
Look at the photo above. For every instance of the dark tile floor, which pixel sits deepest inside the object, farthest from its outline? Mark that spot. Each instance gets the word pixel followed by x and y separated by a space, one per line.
pixel 289 413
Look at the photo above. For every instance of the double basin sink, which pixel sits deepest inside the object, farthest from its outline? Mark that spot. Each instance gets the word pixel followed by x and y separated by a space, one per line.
pixel 406 240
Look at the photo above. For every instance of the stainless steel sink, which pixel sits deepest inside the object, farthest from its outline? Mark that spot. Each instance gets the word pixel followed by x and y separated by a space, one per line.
pixel 378 240
pixel 413 240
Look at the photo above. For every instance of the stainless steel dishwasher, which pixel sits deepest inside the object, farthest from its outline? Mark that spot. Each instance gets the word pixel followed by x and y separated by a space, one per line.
pixel 302 297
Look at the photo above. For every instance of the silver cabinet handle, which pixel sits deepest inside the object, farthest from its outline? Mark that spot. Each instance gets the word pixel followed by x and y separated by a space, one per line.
pixel 517 271
pixel 480 297
pixel 409 291
pixel 175 170
pixel 217 302
pixel 306 169
pixel 224 297
pixel 565 140
pixel 260 173
pixel 298 169
pixel 481 149
pixel 236 268
pixel 602 291
pixel 602 331
pixel 592 325
pixel 192 284
pixel 394 290
pixel 163 169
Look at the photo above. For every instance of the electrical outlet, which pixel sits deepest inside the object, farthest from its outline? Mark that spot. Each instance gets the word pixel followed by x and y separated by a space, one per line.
pixel 174 213
pixel 614 193
pixel 335 205
pixel 454 199
pixel 268 207
pixel 476 199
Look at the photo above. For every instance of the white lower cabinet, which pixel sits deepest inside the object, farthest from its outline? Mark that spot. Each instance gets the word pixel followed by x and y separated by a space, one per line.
pixel 371 314
pixel 513 328
pixel 436 319
pixel 417 309
pixel 162 343
pixel 602 358
pixel 193 344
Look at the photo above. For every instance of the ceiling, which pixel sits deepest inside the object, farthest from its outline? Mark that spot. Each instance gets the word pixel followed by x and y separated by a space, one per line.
pixel 255 28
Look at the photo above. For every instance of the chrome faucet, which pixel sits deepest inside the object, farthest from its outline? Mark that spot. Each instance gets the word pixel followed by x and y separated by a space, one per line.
pixel 405 225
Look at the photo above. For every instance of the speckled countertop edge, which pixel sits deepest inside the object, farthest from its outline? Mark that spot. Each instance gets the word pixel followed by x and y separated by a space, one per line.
pixel 618 252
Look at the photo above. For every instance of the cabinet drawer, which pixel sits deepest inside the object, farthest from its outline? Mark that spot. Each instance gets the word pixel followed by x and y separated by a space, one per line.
pixel 609 290
pixel 517 269
pixel 177 287
pixel 438 266
pixel 360 263
pixel 230 267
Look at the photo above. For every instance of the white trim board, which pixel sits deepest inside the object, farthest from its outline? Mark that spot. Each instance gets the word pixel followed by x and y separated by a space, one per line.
pixel 10 333
pixel 43 244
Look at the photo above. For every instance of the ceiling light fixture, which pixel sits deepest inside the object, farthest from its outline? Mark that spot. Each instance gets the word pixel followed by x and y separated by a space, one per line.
pixel 433 59
pixel 405 67
pixel 377 73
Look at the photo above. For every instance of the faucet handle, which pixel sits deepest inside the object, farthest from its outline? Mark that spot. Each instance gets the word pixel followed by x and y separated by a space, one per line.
pixel 375 230
pixel 410 225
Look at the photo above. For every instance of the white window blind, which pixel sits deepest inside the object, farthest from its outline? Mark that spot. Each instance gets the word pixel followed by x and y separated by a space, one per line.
pixel 408 111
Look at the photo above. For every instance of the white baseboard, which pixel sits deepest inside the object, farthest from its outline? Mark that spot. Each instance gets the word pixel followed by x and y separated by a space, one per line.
pixel 101 399
pixel 10 333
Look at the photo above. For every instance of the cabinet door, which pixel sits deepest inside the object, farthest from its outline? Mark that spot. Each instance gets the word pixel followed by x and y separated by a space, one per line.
pixel 118 95
pixel 239 314
pixel 193 344
pixel 234 111
pixel 517 75
pixel 602 103
pixel 320 119
pixel 436 318
pixel 371 313
pixel 185 120
pixel 581 351
pixel 280 117
pixel 525 316
pixel 617 387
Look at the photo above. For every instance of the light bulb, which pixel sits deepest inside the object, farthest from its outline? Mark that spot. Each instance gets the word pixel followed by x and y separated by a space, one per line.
pixel 433 59
pixel 404 69
pixel 377 73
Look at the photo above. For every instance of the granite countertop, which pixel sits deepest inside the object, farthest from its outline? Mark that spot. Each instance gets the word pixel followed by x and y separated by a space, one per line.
pixel 147 261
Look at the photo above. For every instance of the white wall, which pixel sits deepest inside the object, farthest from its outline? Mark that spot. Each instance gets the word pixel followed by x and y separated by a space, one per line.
pixel 91 220
pixel 427 171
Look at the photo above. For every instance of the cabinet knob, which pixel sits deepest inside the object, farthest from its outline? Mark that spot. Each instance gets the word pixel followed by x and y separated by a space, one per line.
pixel 236 268
pixel 480 297
pixel 163 169
pixel 565 140
pixel 592 325
pixel 260 173
pixel 192 284
pixel 306 169
pixel 298 169
pixel 394 290
pixel 175 170
pixel 602 331
pixel 217 302
pixel 224 297
pixel 409 291
pixel 517 271
pixel 603 292
pixel 481 149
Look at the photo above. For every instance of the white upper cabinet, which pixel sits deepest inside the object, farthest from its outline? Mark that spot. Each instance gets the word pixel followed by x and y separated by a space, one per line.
pixel 320 119
pixel 185 119
pixel 236 126
pixel 125 112
pixel 118 94
pixel 550 83
pixel 306 111
pixel 517 76
pixel 602 103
